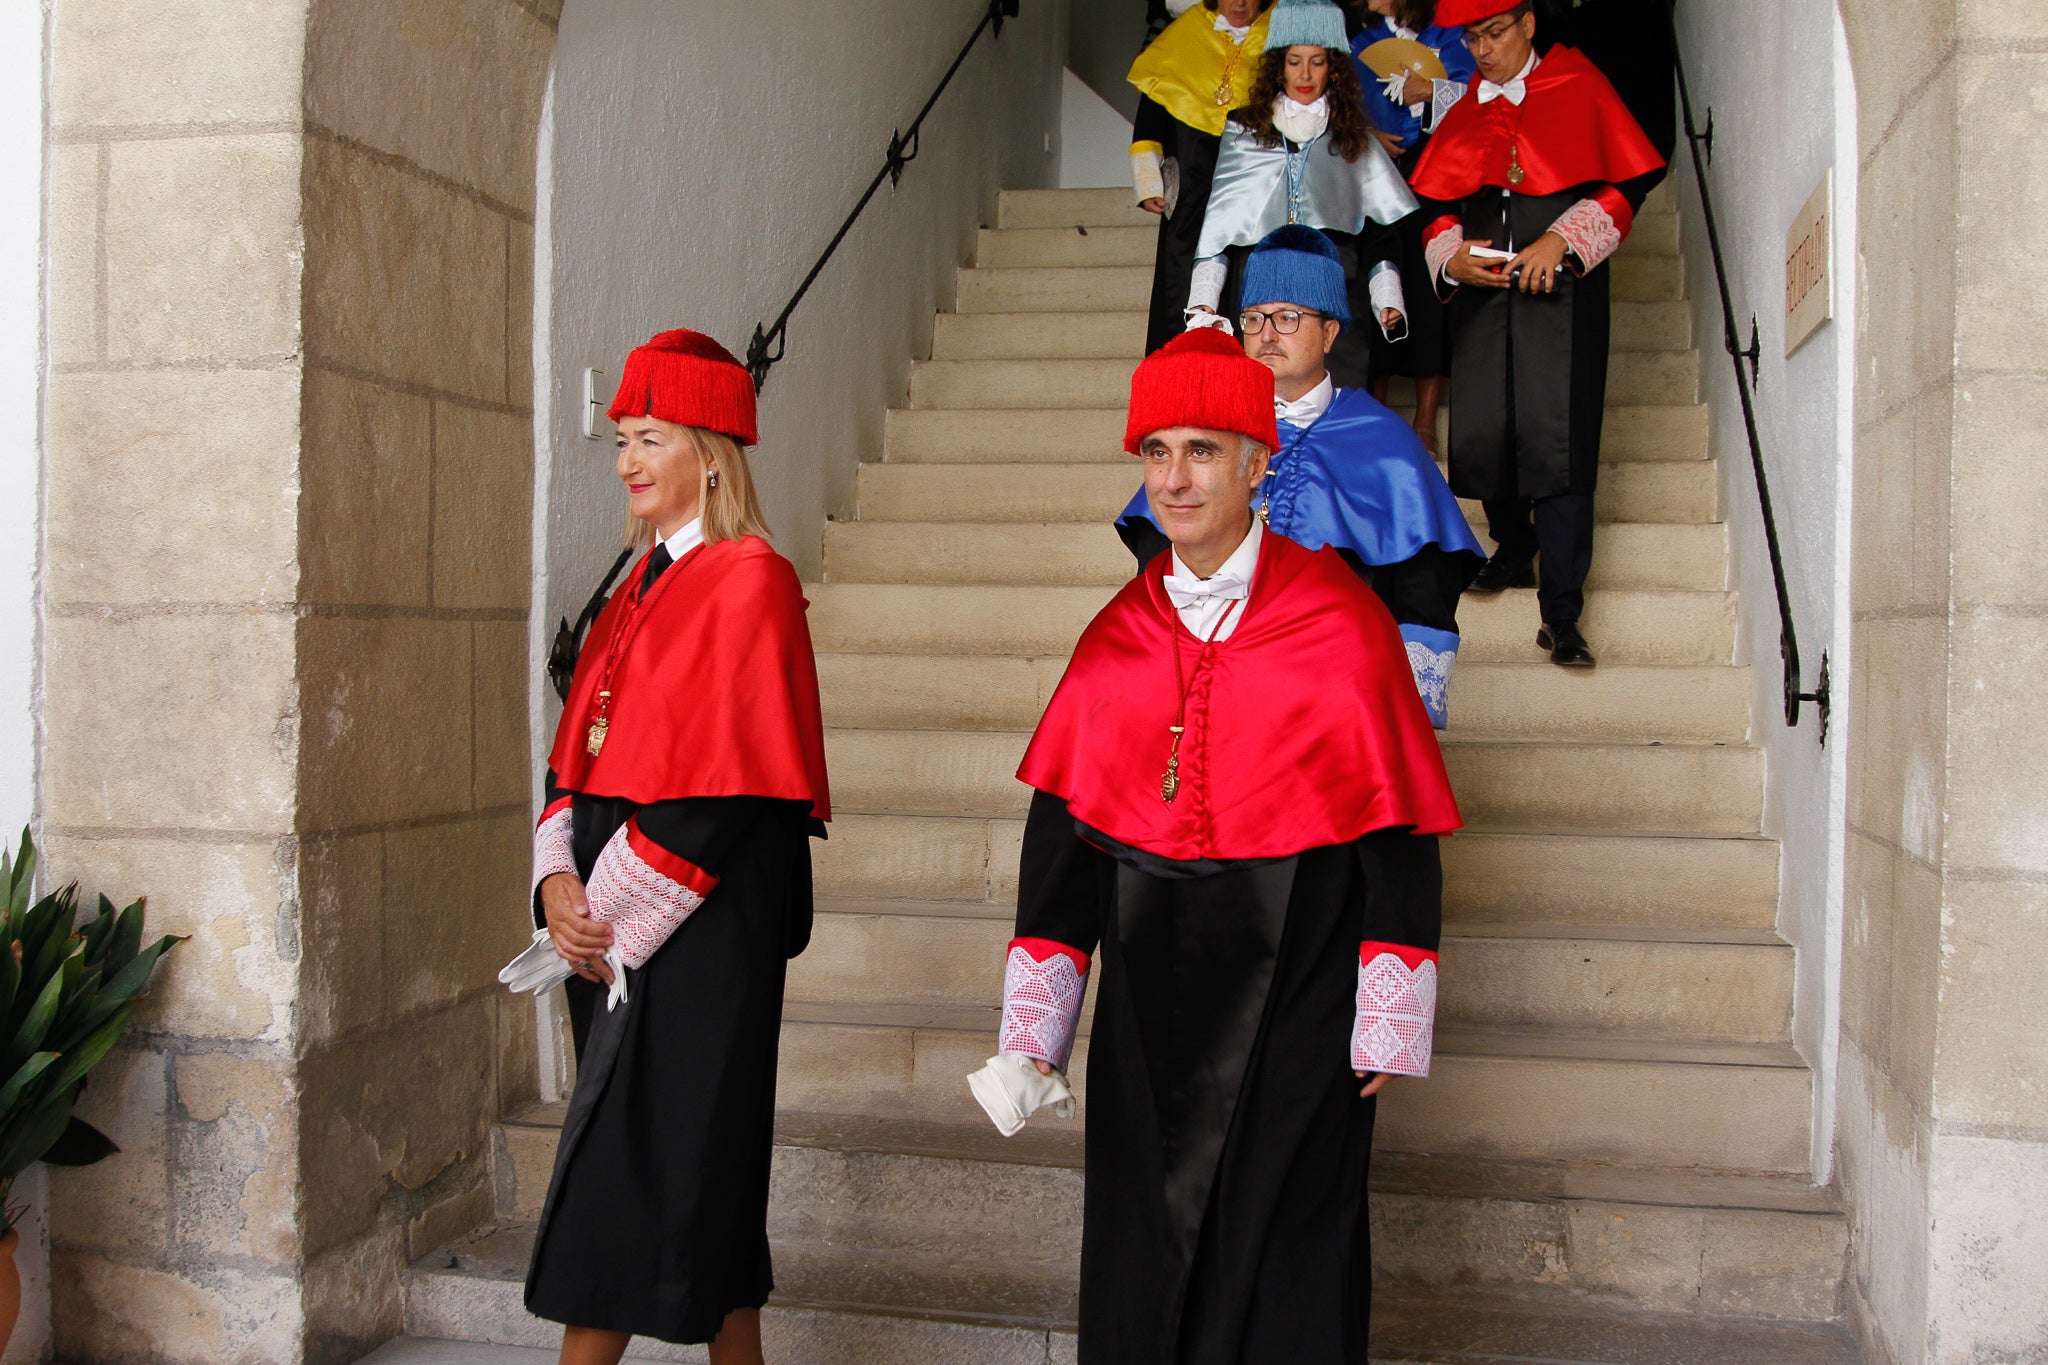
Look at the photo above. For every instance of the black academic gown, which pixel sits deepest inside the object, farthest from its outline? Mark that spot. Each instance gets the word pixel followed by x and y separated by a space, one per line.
pixel 1527 412
pixel 656 1219
pixel 1173 261
pixel 1227 1146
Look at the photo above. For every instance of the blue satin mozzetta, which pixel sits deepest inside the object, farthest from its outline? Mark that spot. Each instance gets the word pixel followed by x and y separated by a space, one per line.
pixel 1358 479
pixel 1448 44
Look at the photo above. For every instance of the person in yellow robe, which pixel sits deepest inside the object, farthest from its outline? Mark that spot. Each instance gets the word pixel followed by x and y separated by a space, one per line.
pixel 1189 78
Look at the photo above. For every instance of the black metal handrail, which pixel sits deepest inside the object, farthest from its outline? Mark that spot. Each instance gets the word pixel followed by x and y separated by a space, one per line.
pixel 770 340
pixel 1788 636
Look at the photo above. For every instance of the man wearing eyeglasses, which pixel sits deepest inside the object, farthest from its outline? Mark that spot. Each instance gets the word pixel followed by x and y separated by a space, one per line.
pixel 1349 473
pixel 1537 172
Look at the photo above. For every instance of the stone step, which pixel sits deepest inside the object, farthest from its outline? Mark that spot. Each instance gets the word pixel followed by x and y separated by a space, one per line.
pixel 1563 787
pixel 1098 491
pixel 1646 885
pixel 1534 700
pixel 1036 436
pixel 1649 627
pixel 1730 987
pixel 1634 378
pixel 1112 207
pixel 1629 555
pixel 1661 326
pixel 1654 235
pixel 885 1191
pixel 1632 1102
pixel 1124 288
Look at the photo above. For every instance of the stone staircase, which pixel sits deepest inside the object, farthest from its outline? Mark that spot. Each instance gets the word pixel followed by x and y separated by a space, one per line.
pixel 1614 1147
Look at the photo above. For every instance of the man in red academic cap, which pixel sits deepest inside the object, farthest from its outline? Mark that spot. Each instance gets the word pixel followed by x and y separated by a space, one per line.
pixel 1542 166
pixel 1238 798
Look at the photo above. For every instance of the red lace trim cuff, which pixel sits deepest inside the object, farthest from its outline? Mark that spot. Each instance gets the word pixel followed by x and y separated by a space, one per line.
pixel 1593 228
pixel 1395 1027
pixel 1043 985
pixel 1441 241
pixel 553 843
pixel 644 892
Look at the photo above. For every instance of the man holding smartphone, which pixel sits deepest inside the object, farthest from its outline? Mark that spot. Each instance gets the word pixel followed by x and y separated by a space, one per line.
pixel 1534 178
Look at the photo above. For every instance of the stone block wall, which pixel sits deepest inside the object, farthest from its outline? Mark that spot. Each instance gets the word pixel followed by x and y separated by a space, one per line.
pixel 288 510
pixel 1944 1105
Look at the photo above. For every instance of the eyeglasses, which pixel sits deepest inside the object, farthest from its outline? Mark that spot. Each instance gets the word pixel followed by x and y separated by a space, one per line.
pixel 1488 36
pixel 1286 321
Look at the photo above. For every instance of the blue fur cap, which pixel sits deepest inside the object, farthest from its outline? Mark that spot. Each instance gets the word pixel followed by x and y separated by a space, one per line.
pixel 1298 265
pixel 1307 23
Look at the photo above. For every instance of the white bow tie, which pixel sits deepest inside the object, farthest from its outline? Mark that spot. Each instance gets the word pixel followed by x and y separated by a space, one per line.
pixel 1516 91
pixel 1187 591
pixel 1237 35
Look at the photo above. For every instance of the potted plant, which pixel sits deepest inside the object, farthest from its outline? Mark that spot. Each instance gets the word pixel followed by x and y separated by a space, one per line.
pixel 66 993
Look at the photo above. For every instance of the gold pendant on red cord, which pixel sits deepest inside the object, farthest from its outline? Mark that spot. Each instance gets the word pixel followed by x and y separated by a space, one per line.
pixel 1515 173
pixel 594 742
pixel 1169 785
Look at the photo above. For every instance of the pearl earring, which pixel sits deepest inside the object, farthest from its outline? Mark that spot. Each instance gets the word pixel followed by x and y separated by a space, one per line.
pixel 714 478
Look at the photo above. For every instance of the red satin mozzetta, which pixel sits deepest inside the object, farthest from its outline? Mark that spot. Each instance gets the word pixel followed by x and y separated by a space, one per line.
pixel 1303 728
pixel 1571 129
pixel 716 694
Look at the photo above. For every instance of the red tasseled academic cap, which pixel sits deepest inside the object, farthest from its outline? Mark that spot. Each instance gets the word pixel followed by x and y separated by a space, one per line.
pixel 1202 378
pixel 1463 13
pixel 687 378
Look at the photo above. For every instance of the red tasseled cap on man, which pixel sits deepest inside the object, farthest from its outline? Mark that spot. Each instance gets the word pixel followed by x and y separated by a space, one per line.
pixel 1202 378
pixel 687 378
pixel 1463 13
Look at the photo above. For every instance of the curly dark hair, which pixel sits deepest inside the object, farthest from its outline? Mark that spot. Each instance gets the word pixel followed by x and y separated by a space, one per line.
pixel 1349 125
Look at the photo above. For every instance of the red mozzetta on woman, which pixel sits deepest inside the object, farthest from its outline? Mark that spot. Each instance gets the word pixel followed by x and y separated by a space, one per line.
pixel 672 871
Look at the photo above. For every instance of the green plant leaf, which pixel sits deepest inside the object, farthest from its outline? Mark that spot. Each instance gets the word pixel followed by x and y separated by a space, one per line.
pixel 80 1007
pixel 126 941
pixel 83 1058
pixel 95 931
pixel 131 979
pixel 21 875
pixel 11 1092
pixel 23 1142
pixel 80 1144
pixel 10 981
pixel 29 1037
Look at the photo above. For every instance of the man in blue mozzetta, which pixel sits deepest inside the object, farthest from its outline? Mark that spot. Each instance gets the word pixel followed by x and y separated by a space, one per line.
pixel 1350 473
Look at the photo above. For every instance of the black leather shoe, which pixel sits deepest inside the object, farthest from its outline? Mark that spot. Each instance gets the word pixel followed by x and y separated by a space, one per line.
pixel 1501 573
pixel 1566 646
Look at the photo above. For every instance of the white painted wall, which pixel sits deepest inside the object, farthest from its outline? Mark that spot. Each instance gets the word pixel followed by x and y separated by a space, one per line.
pixel 24 29
pixel 1783 115
pixel 1095 140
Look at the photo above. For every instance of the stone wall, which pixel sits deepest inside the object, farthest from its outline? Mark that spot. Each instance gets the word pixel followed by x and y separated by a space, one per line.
pixel 1943 1134
pixel 288 507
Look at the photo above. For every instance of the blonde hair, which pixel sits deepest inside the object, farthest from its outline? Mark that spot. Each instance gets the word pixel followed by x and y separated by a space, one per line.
pixel 732 509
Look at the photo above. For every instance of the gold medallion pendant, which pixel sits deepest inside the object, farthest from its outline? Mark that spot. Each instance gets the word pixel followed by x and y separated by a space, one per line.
pixel 1169 785
pixel 1223 95
pixel 596 740
pixel 1515 175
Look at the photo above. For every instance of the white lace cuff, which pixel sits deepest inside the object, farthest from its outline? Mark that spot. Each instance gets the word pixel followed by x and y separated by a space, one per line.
pixel 1148 172
pixel 1443 94
pixel 1395 1027
pixel 1043 985
pixel 644 892
pixel 553 849
pixel 1205 290
pixel 1383 286
pixel 1438 250
pixel 1589 231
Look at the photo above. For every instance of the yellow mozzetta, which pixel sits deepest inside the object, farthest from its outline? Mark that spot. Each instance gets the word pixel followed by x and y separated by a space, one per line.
pixel 1192 62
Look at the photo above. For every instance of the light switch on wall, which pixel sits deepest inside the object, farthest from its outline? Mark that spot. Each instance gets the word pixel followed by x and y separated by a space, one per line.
pixel 593 406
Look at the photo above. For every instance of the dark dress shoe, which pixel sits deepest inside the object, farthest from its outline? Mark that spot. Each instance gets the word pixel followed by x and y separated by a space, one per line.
pixel 1501 573
pixel 1566 646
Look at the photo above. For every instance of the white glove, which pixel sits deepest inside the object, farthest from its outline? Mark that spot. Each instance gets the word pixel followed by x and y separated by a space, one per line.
pixel 1010 1089
pixel 1203 317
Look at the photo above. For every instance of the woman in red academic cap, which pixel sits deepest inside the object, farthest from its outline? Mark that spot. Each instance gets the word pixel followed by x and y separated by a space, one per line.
pixel 672 872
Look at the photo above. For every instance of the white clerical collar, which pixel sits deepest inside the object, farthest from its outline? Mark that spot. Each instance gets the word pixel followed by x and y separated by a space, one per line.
pixel 1515 89
pixel 688 537
pixel 1304 411
pixel 1237 35
pixel 1233 573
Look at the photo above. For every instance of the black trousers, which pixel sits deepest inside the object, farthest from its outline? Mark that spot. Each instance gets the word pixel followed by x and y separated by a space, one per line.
pixel 1561 540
